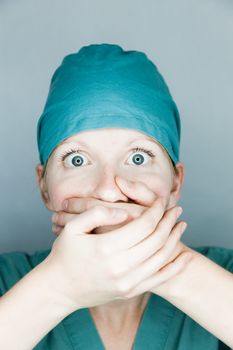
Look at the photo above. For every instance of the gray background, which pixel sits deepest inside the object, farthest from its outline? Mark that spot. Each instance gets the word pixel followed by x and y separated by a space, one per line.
pixel 191 43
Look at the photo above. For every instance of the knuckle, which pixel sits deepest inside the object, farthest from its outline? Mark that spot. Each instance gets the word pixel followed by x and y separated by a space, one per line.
pixel 158 207
pixel 89 204
pixel 173 238
pixel 171 215
pixel 161 241
pixel 161 205
pixel 176 230
pixel 116 271
pixel 122 288
pixel 126 295
pixel 160 260
pixel 100 211
pixel 54 217
pixel 150 224
pixel 59 218
pixel 69 226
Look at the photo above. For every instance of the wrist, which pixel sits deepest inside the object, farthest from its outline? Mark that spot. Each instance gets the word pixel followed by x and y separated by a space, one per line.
pixel 170 288
pixel 53 286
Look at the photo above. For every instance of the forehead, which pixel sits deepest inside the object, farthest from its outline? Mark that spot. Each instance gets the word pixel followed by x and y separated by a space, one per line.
pixel 105 135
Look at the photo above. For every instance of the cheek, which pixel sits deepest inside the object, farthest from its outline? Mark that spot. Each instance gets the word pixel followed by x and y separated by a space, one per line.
pixel 160 184
pixel 61 189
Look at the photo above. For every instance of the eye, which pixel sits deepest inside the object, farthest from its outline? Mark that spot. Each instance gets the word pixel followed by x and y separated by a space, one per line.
pixel 138 158
pixel 73 157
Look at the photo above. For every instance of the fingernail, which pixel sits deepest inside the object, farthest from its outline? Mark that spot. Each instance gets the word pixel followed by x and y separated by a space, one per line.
pixel 183 227
pixel 65 204
pixel 179 211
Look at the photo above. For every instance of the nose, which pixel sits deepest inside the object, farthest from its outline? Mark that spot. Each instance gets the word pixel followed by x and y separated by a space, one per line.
pixel 107 188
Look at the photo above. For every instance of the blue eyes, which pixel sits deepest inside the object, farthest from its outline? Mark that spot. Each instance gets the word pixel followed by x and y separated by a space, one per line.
pixel 77 159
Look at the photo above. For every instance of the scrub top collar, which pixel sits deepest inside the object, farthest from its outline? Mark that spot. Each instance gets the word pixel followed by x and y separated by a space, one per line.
pixel 152 333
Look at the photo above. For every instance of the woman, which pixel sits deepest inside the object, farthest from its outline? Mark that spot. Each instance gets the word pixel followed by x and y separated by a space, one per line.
pixel 108 139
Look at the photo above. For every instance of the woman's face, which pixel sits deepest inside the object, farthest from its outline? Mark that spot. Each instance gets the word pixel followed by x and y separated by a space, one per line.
pixel 103 154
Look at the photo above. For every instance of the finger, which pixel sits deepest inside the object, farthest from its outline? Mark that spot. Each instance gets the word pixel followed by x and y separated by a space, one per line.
pixel 152 265
pixel 137 254
pixel 137 230
pixel 77 205
pixel 61 218
pixel 163 275
pixel 169 251
pixel 57 229
pixel 93 218
pixel 137 191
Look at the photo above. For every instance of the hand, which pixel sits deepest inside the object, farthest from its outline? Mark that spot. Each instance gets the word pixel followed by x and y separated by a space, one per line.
pixel 87 270
pixel 168 261
pixel 136 191
pixel 79 205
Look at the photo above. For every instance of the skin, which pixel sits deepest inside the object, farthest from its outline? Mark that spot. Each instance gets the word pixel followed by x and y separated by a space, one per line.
pixel 96 178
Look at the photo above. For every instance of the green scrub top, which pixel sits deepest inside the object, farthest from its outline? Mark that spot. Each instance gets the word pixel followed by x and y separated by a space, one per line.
pixel 162 326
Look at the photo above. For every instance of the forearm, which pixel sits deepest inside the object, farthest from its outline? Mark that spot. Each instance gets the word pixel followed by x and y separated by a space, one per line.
pixel 204 291
pixel 29 310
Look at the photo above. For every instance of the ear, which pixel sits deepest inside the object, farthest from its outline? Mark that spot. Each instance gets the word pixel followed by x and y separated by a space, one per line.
pixel 178 180
pixel 42 185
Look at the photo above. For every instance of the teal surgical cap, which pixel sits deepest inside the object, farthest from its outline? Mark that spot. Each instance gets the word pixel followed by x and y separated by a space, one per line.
pixel 104 86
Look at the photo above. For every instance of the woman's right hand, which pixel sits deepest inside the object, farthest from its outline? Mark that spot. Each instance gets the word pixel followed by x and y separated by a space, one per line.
pixel 84 271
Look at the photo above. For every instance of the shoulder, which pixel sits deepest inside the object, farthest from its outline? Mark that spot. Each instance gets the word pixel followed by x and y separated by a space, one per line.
pixel 220 255
pixel 14 265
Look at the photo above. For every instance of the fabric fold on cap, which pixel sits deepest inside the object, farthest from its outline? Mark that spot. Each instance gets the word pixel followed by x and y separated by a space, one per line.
pixel 104 86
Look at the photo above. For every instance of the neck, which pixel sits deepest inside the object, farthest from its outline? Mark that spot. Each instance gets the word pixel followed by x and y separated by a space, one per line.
pixel 118 313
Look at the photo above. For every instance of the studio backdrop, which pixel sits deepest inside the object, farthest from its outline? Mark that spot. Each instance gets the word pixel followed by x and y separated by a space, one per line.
pixel 191 44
